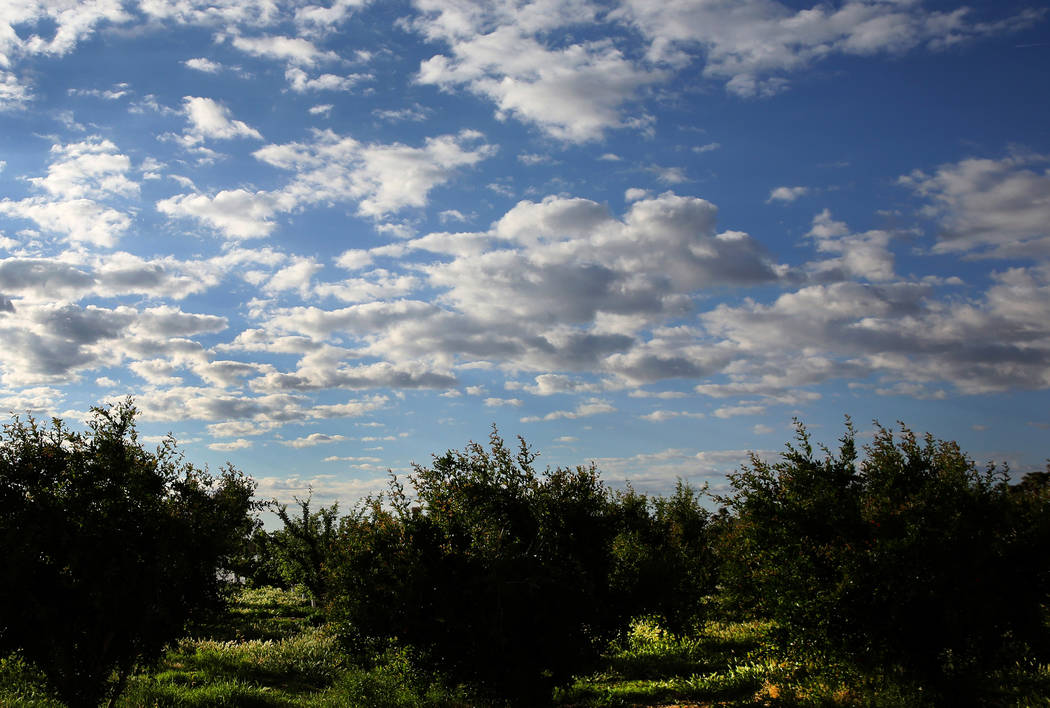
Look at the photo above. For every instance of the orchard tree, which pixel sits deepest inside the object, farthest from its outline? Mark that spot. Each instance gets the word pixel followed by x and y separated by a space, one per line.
pixel 911 559
pixel 303 547
pixel 499 574
pixel 108 549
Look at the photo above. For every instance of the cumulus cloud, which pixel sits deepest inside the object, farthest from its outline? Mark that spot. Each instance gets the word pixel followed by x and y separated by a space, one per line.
pixel 498 402
pixel 72 20
pixel 554 286
pixel 300 82
pixel 753 45
pixel 294 50
pixel 210 119
pixel 79 176
pixel 381 178
pixel 218 404
pixel 660 471
pixel 237 213
pixel 239 444
pixel 81 221
pixel 593 406
pixel 660 416
pixel 313 439
pixel 998 208
pixel 787 194
pixel 895 331
pixel 499 51
pixel 325 489
pixel 866 255
pixel 204 65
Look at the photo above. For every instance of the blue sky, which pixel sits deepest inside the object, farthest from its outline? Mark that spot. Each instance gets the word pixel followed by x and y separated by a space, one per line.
pixel 322 241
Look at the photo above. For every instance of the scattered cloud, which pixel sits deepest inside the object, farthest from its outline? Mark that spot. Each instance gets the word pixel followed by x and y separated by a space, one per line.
pixel 787 194
pixel 312 440
pixel 998 208
pixel 593 406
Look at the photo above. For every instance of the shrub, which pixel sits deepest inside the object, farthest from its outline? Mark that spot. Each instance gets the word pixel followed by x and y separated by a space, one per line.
pixel 915 560
pixel 302 547
pixel 497 574
pixel 108 548
pixel 664 561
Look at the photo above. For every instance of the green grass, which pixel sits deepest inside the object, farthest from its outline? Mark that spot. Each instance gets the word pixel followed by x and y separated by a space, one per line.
pixel 272 649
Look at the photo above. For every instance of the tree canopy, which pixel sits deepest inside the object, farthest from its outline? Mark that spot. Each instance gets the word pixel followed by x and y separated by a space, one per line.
pixel 109 549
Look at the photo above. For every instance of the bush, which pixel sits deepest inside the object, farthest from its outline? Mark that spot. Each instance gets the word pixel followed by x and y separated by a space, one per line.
pixel 915 560
pixel 301 549
pixel 497 574
pixel 664 560
pixel 108 548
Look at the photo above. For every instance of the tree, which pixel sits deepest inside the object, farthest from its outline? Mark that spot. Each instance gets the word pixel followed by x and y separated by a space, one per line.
pixel 303 547
pixel 108 549
pixel 500 575
pixel 913 560
pixel 664 560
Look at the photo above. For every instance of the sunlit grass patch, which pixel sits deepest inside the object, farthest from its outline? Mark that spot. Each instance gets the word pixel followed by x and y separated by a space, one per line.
pixel 22 685
pixel 394 681
pixel 260 613
pixel 651 666
pixel 309 660
pixel 190 690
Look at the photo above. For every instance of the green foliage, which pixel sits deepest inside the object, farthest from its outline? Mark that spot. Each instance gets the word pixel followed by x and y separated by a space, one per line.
pixel 499 574
pixel 663 555
pixel 913 560
pixel 301 549
pixel 108 548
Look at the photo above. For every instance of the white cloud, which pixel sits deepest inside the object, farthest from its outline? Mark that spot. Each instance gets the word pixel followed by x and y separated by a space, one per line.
pixel 787 194
pixel 68 22
pixel 237 213
pixel 13 93
pixel 239 444
pixel 313 439
pixel 659 416
pixel 659 472
pixel 593 406
pixel 866 256
pixel 210 119
pixel 326 489
pixel 550 384
pixel 994 207
pixel 415 113
pixel 204 65
pixel 733 411
pixel 498 402
pixel 669 175
pixel 34 400
pixel 324 19
pixel 92 168
pixel 82 221
pixel 897 331
pixel 80 174
pixel 294 50
pixel 112 94
pixel 382 178
pixel 300 82
pixel 753 44
pixel 574 92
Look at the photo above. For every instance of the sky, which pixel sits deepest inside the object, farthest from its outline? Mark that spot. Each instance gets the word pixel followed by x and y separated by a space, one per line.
pixel 325 241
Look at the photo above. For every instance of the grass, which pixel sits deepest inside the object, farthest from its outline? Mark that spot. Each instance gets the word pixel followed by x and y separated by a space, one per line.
pixel 272 649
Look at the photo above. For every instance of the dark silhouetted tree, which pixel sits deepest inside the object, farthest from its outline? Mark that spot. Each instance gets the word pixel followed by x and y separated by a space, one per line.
pixel 108 549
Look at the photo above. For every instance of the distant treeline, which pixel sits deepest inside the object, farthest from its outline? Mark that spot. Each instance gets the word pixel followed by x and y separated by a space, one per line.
pixel 902 558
